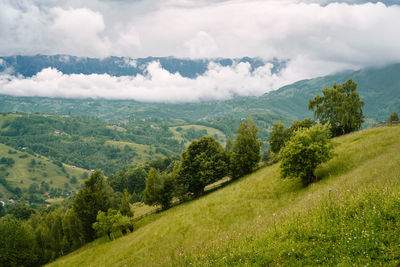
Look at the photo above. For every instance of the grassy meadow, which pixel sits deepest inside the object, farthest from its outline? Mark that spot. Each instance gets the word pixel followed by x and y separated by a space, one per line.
pixel 23 172
pixel 349 218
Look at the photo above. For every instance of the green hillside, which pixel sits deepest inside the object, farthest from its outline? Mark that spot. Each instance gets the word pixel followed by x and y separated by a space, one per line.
pixel 28 169
pixel 378 87
pixel 351 217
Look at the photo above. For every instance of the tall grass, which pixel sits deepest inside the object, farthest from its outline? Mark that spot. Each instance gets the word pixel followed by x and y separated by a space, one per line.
pixel 350 217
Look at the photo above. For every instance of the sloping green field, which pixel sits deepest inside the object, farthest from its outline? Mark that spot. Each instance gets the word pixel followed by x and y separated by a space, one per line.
pixel 28 169
pixel 351 217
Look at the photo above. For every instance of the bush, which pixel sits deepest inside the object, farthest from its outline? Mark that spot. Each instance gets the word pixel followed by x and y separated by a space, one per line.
pixel 304 151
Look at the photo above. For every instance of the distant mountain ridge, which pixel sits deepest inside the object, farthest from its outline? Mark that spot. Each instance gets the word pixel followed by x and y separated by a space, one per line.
pixel 28 66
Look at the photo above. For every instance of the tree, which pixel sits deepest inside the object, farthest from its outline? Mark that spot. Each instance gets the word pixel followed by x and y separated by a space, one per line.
pixel 17 246
pixel 203 163
pixel 341 106
pixel 159 189
pixel 246 150
pixel 125 208
pixel 277 137
pixel 73 229
pixel 95 196
pixel 304 151
pixel 393 118
pixel 110 222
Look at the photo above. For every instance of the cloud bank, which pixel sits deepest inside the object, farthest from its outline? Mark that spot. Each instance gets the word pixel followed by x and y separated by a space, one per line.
pixel 317 36
pixel 158 85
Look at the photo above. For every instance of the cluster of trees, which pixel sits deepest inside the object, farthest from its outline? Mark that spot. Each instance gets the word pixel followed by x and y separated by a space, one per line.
pixel 204 162
pixel 305 144
pixel 31 238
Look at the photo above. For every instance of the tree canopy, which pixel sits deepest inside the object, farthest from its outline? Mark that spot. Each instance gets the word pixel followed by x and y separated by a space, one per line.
pixel 203 163
pixel 95 196
pixel 341 106
pixel 246 150
pixel 279 135
pixel 304 151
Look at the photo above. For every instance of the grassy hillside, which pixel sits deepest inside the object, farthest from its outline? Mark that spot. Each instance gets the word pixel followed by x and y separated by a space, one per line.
pixel 28 169
pixel 352 216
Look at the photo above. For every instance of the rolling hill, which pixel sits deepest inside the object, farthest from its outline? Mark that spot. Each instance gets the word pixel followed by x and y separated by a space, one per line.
pixel 350 217
pixel 29 169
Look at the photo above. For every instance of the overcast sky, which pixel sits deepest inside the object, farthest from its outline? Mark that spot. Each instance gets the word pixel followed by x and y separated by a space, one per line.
pixel 317 37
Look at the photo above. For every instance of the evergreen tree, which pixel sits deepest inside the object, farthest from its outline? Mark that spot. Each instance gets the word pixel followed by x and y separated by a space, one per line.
pixel 246 150
pixel 95 195
pixel 341 106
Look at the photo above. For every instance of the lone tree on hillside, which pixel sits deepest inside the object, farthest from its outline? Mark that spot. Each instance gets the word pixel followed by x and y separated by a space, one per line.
pixel 341 106
pixel 95 196
pixel 304 151
pixel 246 150
pixel 203 163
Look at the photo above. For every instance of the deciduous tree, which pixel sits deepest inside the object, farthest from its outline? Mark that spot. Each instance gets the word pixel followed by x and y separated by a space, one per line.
pixel 95 196
pixel 341 106
pixel 304 151
pixel 246 150
pixel 203 163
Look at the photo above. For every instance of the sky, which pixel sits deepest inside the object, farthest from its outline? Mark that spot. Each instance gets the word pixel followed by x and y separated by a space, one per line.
pixel 315 37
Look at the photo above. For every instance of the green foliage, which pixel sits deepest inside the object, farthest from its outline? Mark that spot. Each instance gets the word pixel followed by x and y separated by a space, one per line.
pixel 246 150
pixel 304 151
pixel 277 137
pixel 17 246
pixel 133 180
pixel 341 106
pixel 203 163
pixel 393 118
pixel 93 197
pixel 9 162
pixel 110 222
pixel 88 142
pixel 73 229
pixel 159 189
pixel 22 211
pixel 125 208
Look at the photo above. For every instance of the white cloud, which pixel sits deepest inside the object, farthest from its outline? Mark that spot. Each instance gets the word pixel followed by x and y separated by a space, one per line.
pixel 317 36
pixel 203 45
pixel 158 85
pixel 77 32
